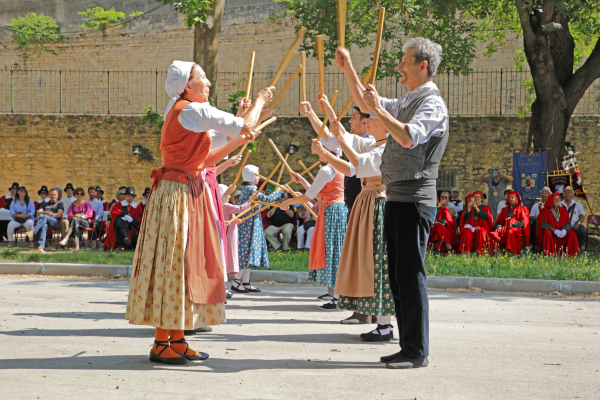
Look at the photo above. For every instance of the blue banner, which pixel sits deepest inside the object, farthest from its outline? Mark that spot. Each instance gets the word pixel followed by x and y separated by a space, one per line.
pixel 529 174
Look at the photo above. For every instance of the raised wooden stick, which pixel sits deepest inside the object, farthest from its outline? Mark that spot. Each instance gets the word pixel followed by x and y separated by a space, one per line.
pixel 341 23
pixel 242 165
pixel 303 76
pixel 306 171
pixel 304 204
pixel 281 157
pixel 304 166
pixel 250 73
pixel 254 213
pixel 264 203
pixel 326 119
pixel 289 55
pixel 282 167
pixel 320 42
pixel 258 191
pixel 288 189
pixel 377 45
pixel 287 85
pixel 349 103
pixel 277 185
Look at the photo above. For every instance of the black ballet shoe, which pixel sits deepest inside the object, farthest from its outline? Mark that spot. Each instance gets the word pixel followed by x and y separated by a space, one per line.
pixel 170 361
pixel 237 287
pixel 196 357
pixel 251 288
pixel 189 333
pixel 378 337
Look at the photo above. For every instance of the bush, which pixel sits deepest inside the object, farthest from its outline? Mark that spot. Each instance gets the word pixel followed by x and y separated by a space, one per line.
pixel 34 31
pixel 99 18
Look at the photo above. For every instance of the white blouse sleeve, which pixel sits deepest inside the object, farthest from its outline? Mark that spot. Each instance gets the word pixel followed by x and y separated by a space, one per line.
pixel 369 163
pixel 325 175
pixel 202 117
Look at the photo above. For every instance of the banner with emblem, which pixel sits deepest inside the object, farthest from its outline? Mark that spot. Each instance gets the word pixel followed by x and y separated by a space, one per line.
pixel 558 181
pixel 529 171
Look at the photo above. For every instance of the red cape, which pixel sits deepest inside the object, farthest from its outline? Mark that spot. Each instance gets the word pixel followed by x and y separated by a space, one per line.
pixel 441 234
pixel 111 237
pixel 520 213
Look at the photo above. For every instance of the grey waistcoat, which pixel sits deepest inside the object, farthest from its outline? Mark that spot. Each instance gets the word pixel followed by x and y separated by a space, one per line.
pixel 421 162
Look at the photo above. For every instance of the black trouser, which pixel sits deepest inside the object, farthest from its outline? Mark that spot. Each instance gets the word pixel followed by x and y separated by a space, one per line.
pixel 76 224
pixel 533 233
pixel 122 228
pixel 581 233
pixel 407 227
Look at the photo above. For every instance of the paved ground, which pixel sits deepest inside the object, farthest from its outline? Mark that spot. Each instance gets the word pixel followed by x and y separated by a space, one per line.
pixel 67 339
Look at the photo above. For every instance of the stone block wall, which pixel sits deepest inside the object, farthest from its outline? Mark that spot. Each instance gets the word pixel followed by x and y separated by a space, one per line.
pixel 97 150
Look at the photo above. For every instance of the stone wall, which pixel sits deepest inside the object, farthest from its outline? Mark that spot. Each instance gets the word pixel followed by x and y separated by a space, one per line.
pixel 96 150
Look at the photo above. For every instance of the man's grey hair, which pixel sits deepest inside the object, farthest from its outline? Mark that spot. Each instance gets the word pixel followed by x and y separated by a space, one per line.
pixel 59 188
pixel 425 50
pixel 446 193
pixel 53 190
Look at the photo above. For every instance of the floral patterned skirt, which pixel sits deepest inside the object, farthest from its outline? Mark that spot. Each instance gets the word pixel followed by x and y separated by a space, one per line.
pixel 157 291
pixel 383 302
pixel 336 216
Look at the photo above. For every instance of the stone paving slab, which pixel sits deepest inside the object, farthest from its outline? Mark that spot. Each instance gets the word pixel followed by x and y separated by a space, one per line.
pixel 67 339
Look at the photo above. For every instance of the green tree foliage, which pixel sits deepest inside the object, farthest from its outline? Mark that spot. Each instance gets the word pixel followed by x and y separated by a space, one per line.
pixel 99 18
pixel 153 118
pixel 195 11
pixel 35 31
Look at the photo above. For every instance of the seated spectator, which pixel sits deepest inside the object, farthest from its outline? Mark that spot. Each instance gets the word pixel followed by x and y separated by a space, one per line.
pixel 143 203
pixel 68 198
pixel 126 218
pixel 554 229
pixel 117 199
pixel 80 216
pixel 100 196
pixel 64 224
pixel 534 214
pixel 281 222
pixel 443 232
pixel 96 204
pixel 576 214
pixel 306 227
pixel 496 182
pixel 237 198
pixel 7 199
pixel 476 223
pixel 119 196
pixel 22 212
pixel 43 193
pixel 502 203
pixel 512 226
pixel 448 204
pixel 459 206
pixel 49 216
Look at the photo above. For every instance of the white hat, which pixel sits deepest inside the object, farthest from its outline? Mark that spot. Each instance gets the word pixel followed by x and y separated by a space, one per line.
pixel 372 116
pixel 249 172
pixel 546 188
pixel 178 76
pixel 238 193
pixel 223 189
pixel 335 148
pixel 569 188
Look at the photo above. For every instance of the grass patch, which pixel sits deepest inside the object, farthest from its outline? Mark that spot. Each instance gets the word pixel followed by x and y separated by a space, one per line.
pixel 585 267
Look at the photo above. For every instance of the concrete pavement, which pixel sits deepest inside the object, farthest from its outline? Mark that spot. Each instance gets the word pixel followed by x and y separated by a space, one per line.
pixel 67 339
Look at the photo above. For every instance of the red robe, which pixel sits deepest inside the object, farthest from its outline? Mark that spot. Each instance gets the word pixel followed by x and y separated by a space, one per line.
pixel 3 202
pixel 134 210
pixel 441 234
pixel 512 238
pixel 477 240
pixel 548 241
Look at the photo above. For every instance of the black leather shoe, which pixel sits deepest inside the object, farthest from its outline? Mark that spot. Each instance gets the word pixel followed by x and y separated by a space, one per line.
pixel 238 287
pixel 195 357
pixel 387 359
pixel 203 329
pixel 170 361
pixel 377 336
pixel 251 288
pixel 189 333
pixel 405 362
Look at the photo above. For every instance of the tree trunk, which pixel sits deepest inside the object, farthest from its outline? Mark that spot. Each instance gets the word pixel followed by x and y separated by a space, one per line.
pixel 548 128
pixel 206 46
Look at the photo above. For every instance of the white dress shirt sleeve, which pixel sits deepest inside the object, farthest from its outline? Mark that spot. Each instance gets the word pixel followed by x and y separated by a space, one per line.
pixel 325 175
pixel 535 210
pixel 202 117
pixel 430 120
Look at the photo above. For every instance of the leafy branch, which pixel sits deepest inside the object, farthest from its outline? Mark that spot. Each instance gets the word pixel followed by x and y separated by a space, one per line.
pixel 35 31
pixel 100 18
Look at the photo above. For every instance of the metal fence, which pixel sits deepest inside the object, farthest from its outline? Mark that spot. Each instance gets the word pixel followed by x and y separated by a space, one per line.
pixel 486 92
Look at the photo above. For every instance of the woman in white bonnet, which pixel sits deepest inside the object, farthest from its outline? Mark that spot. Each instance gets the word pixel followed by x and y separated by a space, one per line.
pixel 177 279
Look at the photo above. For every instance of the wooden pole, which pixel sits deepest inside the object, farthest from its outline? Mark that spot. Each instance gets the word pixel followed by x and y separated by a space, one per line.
pixel 282 168
pixel 243 148
pixel 254 213
pixel 264 203
pixel 304 204
pixel 349 103
pixel 287 188
pixel 242 165
pixel 287 85
pixel 288 56
pixel 320 42
pixel 341 23
pixel 303 76
pixel 304 166
pixel 306 171
pixel 281 157
pixel 250 72
pixel 265 124
pixel 377 45
pixel 325 120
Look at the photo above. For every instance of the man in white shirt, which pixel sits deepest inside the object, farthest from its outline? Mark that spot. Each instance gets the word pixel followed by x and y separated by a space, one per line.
pixel 576 214
pixel 502 203
pixel 458 205
pixel 43 193
pixel 96 204
pixel 535 213
pixel 68 198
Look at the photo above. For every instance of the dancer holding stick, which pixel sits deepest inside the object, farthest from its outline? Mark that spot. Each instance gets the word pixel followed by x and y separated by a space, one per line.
pixel 418 125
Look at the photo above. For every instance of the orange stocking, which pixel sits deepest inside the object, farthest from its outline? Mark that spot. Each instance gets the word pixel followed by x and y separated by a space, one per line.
pixel 181 348
pixel 162 335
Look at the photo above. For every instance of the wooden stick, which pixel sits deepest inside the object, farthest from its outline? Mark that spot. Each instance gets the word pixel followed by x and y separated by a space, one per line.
pixel 304 204
pixel 287 85
pixel 265 124
pixel 237 177
pixel 254 213
pixel 281 170
pixel 306 171
pixel 320 42
pixel 258 191
pixel 304 166
pixel 325 120
pixel 288 56
pixel 243 148
pixel 303 76
pixel 250 72
pixel 341 23
pixel 281 157
pixel 264 203
pixel 349 103
pixel 377 45
pixel 277 185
